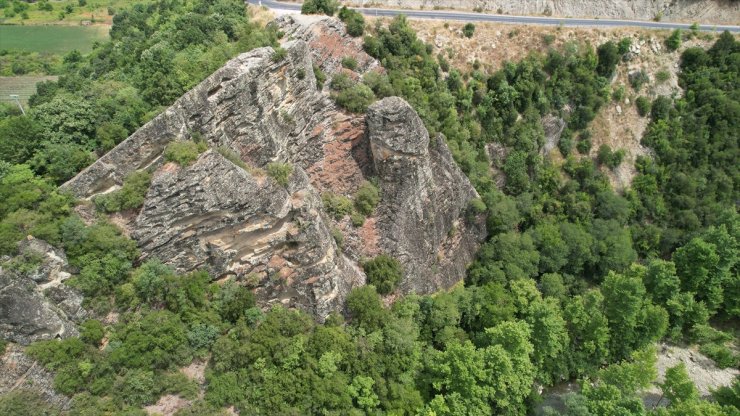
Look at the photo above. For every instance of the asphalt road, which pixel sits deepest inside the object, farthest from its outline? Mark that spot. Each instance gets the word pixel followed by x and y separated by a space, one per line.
pixel 531 20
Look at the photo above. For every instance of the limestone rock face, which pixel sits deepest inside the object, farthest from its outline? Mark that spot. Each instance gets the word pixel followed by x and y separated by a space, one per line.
pixel 216 215
pixel 425 196
pixel 19 371
pixel 226 216
pixel 34 304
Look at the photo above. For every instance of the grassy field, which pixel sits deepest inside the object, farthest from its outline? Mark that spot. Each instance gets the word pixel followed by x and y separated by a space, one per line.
pixel 23 86
pixel 67 12
pixel 53 39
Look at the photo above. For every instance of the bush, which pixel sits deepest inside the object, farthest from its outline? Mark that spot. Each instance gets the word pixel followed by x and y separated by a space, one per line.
pixel 618 93
pixel 624 45
pixel 662 76
pixel 355 99
pixel 183 152
pixel 349 63
pixel 279 54
pixel 584 145
pixel 609 158
pixel 280 172
pixel 608 58
pixel 643 106
pixel 320 76
pixel 384 272
pixel 232 157
pixel 341 82
pixel 336 205
pixel 469 30
pixel 673 42
pixel 130 196
pixel 638 79
pixel 367 198
pixel 327 7
pixel 354 21
pixel 721 354
pixel 92 332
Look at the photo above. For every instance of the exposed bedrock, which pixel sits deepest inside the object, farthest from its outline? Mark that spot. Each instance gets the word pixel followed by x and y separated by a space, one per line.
pixel 234 221
pixel 34 304
pixel 422 214
pixel 217 216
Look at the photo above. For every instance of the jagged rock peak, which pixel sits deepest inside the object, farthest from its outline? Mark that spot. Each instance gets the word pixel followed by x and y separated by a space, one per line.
pixel 422 217
pixel 258 106
pixel 394 125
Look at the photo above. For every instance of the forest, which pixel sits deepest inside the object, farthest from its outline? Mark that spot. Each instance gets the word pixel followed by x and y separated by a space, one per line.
pixel 575 281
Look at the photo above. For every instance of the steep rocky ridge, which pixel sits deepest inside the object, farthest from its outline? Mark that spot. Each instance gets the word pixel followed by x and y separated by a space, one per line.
pixel 421 185
pixel 235 221
pixel 706 11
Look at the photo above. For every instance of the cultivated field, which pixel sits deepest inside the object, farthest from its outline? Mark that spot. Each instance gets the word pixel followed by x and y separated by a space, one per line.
pixel 52 39
pixel 24 87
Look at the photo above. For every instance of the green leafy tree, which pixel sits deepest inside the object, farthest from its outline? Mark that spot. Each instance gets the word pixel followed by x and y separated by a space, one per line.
pixel 384 272
pixel 677 386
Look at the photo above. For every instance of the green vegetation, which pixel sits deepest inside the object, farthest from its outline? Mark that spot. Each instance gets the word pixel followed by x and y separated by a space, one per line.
pixel 673 42
pixel 643 105
pixel 184 152
pixel 280 172
pixel 384 272
pixel 327 7
pixel 574 282
pixel 130 196
pixel 468 30
pixel 367 198
pixel 609 158
pixel 354 21
pixel 51 39
pixel 349 63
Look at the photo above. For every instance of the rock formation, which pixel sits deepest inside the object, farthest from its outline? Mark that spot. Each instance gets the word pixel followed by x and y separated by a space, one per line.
pixel 34 304
pixel 421 217
pixel 232 220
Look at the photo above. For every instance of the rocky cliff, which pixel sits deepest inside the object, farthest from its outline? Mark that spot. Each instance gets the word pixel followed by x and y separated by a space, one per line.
pixel 34 304
pixel 228 217
pixel 704 11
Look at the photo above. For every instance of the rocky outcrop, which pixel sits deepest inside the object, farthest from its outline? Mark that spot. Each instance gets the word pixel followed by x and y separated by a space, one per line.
pixel 218 216
pixel 19 371
pixel 34 303
pixel 421 217
pixel 226 216
pixel 706 11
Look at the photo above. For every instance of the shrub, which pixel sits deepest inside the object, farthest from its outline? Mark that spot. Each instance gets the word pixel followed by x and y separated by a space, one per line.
pixel 608 58
pixel 638 79
pixel 279 54
pixel 320 76
pixel 548 39
pixel 583 146
pixel 469 30
pixel 662 76
pixel 130 196
pixel 354 21
pixel 349 63
pixel 618 93
pixel 327 7
pixel 357 219
pixel 721 354
pixel 673 42
pixel 643 106
pixel 610 158
pixel 280 172
pixel 624 45
pixel 92 332
pixel 183 152
pixel 232 157
pixel 384 272
pixel 340 82
pixel 336 205
pixel 367 198
pixel 355 99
